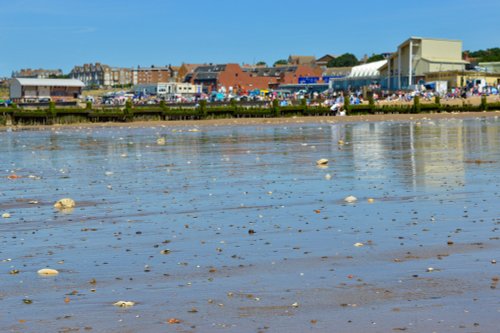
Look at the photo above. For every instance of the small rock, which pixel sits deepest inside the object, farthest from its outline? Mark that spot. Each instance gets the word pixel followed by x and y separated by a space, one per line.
pixel 359 244
pixel 161 141
pixel 48 271
pixel 124 304
pixel 6 215
pixel 371 200
pixel 295 305
pixel 322 161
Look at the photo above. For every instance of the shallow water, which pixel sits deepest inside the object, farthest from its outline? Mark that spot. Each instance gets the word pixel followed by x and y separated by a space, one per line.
pixel 435 185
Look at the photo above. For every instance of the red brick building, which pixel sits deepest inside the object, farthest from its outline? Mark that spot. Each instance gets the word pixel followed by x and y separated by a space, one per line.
pixel 152 75
pixel 285 74
pixel 185 70
pixel 292 76
pixel 214 77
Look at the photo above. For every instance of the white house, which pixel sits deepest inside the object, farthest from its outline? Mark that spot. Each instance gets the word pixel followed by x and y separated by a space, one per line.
pixel 33 90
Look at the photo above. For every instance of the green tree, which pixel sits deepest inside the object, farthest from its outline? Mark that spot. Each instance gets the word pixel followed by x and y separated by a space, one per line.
pixel 487 55
pixel 345 60
pixel 375 57
pixel 261 63
pixel 280 62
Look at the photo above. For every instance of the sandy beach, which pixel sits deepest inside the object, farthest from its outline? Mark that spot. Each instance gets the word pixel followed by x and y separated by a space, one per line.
pixel 230 226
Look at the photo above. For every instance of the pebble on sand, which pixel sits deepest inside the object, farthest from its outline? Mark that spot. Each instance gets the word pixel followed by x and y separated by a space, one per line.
pixel 124 304
pixel 350 198
pixel 322 161
pixel 48 271
pixel 65 203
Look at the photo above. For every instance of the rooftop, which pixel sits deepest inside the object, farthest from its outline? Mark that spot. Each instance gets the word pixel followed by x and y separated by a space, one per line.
pixel 50 82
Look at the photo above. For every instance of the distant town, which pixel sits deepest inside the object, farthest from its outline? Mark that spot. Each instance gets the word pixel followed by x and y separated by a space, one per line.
pixel 434 65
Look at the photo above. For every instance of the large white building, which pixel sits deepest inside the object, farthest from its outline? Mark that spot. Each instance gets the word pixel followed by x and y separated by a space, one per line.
pixel 34 90
pixel 418 56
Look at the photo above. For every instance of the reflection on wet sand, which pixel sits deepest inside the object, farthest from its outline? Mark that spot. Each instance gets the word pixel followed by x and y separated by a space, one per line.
pixel 237 229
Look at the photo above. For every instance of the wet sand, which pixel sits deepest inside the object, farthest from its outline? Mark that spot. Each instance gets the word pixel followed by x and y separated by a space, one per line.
pixel 235 229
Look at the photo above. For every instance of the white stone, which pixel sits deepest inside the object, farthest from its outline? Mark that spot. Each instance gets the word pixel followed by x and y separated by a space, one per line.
pixel 65 203
pixel 48 271
pixel 350 199
pixel 124 304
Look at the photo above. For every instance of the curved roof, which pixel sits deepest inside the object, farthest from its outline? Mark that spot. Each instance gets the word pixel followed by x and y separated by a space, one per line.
pixel 371 69
pixel 50 82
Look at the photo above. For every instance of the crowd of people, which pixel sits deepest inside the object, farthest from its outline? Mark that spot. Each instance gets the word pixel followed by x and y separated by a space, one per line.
pixel 335 100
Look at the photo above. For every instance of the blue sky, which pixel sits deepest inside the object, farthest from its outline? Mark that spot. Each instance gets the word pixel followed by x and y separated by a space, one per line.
pixel 64 33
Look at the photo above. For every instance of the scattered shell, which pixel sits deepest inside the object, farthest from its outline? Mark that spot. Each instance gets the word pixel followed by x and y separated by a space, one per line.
pixel 350 198
pixel 65 203
pixel 371 200
pixel 6 215
pixel 124 304
pixel 322 161
pixel 161 141
pixel 48 271
pixel 295 305
pixel 358 244
pixel 328 176
pixel 430 269
pixel 174 321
